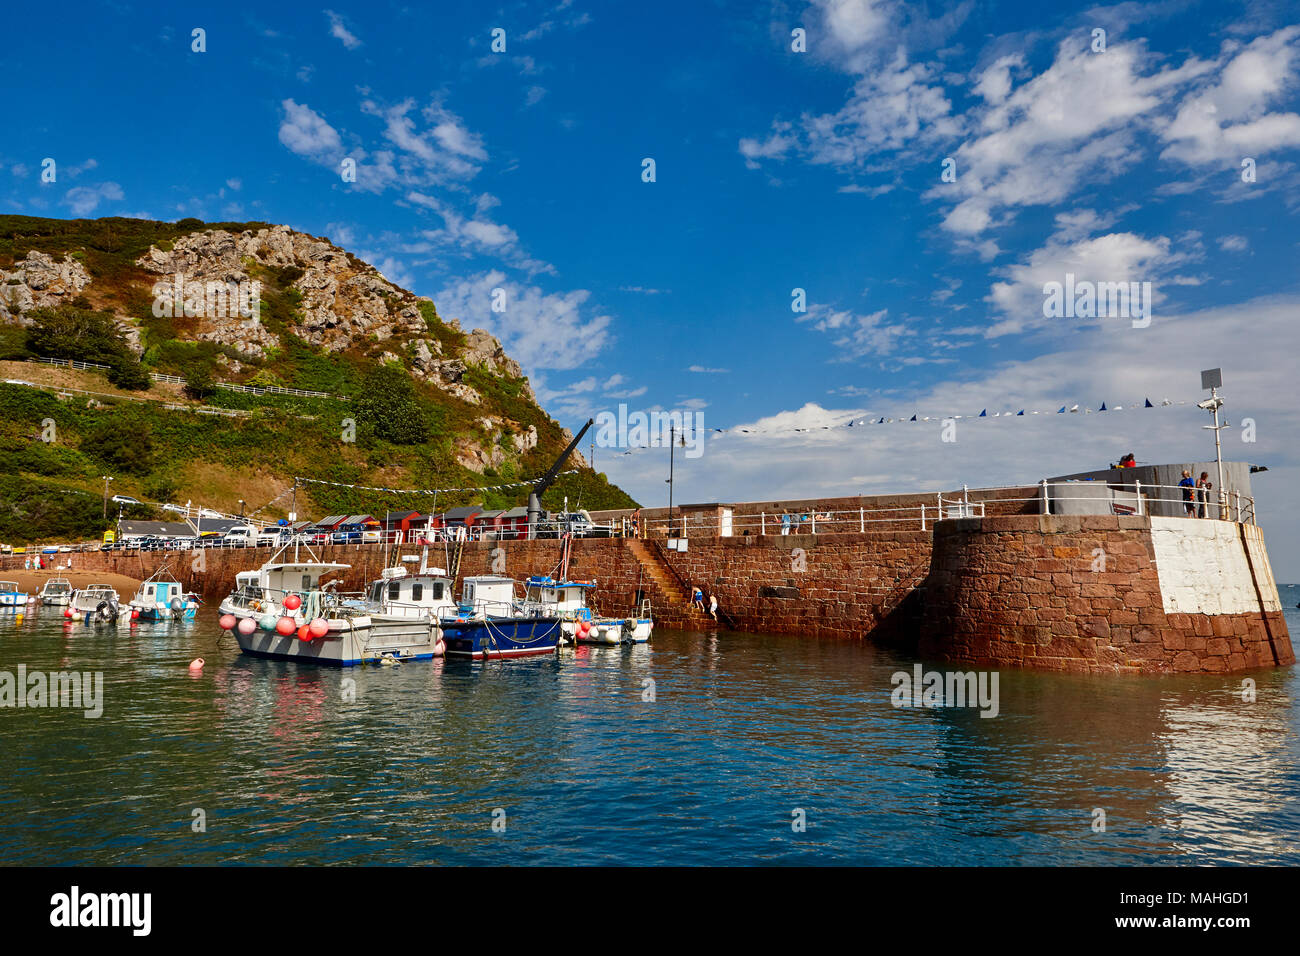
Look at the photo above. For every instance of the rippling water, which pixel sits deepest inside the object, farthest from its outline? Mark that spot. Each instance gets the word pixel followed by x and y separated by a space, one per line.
pixel 743 731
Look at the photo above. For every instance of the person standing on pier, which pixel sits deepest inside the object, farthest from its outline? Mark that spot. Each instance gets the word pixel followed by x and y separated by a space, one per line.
pixel 1189 493
pixel 1203 487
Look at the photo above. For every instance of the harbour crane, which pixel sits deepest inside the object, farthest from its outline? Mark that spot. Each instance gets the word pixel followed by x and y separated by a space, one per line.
pixel 544 483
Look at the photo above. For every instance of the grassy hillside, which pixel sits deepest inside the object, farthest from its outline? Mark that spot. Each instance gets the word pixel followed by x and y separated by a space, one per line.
pixel 396 431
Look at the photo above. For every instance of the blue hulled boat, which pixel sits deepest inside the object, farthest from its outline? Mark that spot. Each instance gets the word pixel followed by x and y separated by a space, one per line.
pixel 491 624
pixel 494 637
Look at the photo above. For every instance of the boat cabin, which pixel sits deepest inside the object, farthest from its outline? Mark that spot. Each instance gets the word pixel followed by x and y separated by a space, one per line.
pixel 277 580
pixel 152 592
pixel 566 597
pixel 489 593
pixel 401 594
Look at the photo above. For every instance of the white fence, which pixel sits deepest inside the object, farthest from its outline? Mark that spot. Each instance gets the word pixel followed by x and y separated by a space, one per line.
pixel 1076 498
pixel 180 380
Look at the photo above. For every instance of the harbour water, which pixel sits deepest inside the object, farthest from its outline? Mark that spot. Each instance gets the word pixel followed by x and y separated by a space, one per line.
pixel 744 736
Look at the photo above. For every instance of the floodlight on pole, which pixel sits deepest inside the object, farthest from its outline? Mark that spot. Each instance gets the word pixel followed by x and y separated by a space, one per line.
pixel 1212 379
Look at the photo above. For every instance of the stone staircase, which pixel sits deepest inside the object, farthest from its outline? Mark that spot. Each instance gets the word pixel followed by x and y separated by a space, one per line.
pixel 671 599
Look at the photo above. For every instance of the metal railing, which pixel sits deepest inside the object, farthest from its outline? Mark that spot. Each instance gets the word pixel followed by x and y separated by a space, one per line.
pixel 1075 497
pixel 1148 499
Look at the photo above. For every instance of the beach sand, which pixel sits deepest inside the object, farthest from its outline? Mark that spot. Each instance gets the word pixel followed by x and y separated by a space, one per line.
pixel 31 581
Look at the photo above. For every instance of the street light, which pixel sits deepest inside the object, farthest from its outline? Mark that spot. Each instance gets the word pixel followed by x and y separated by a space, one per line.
pixel 1212 379
pixel 107 479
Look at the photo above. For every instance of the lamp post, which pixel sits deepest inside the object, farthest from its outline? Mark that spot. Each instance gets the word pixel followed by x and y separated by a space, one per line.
pixel 671 449
pixel 1212 379
pixel 107 479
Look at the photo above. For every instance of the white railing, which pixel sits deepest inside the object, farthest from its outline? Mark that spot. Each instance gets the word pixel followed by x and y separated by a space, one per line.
pixel 1146 499
pixel 72 363
pixel 180 380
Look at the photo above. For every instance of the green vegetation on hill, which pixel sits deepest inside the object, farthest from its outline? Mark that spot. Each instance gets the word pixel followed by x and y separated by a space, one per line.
pixel 396 431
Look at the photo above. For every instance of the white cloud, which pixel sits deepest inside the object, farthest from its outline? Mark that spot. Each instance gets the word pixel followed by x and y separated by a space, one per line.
pixel 477 233
pixel 1227 120
pixel 83 200
pixel 856 335
pixel 1116 257
pixel 307 133
pixel 1233 243
pixel 540 330
pixel 341 32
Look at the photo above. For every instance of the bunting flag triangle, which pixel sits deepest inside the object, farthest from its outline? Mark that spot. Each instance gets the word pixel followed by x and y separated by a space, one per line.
pixel 984 414
pixel 912 419
pixel 1061 410
pixel 1103 407
pixel 1021 412
pixel 1148 404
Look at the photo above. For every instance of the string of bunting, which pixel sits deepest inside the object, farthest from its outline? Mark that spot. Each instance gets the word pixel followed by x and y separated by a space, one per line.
pixel 1144 403
pixel 430 491
pixel 1063 410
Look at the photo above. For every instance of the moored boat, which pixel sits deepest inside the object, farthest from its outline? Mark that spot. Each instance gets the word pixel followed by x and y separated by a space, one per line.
pixel 580 624
pixel 285 610
pixel 55 591
pixel 11 598
pixel 406 609
pixel 161 597
pixel 490 624
pixel 97 603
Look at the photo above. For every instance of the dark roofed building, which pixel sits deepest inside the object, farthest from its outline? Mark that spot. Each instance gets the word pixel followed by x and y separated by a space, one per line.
pixel 157 529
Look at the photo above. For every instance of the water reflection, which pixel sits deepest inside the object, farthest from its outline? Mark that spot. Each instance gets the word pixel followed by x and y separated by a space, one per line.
pixel 297 763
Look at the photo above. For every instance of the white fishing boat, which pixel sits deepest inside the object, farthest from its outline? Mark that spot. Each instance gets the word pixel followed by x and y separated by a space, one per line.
pixel 55 591
pixel 11 598
pixel 286 609
pixel 161 597
pixel 97 603
pixel 406 607
pixel 568 601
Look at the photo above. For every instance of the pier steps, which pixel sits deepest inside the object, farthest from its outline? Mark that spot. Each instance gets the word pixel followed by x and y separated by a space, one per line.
pixel 670 597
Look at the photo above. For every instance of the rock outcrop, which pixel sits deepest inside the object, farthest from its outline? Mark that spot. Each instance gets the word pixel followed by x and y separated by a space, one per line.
pixel 37 282
pixel 250 289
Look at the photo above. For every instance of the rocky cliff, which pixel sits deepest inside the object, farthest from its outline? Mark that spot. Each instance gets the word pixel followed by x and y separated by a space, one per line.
pixel 250 304
pixel 336 303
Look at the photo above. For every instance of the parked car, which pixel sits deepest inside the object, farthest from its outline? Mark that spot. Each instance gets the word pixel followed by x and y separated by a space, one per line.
pixel 179 509
pixel 574 523
pixel 127 500
pixel 356 533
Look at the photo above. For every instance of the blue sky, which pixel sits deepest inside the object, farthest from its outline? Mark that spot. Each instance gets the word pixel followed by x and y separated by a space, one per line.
pixel 775 170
